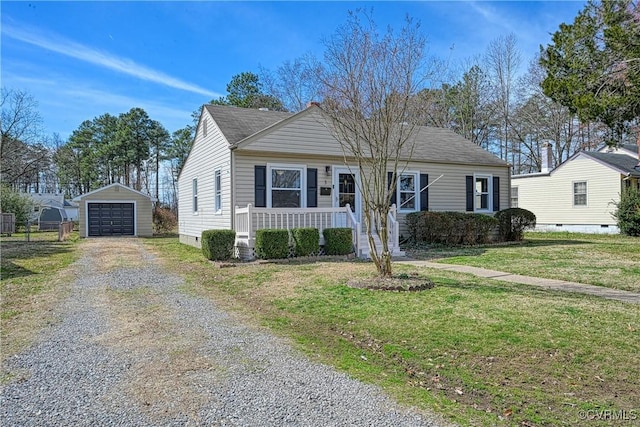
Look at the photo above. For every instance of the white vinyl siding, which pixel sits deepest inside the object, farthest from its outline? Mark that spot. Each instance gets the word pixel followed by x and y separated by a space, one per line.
pixel 447 194
pixel 244 183
pixel 207 155
pixel 306 136
pixel 551 197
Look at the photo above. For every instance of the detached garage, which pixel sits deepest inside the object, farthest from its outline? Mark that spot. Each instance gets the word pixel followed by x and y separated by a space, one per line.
pixel 115 210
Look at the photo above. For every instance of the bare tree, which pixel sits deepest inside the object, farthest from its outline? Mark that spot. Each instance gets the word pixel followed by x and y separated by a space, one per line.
pixel 368 82
pixel 23 156
pixel 503 60
pixel 294 82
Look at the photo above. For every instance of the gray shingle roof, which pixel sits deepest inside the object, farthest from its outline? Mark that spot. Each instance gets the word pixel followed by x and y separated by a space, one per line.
pixel 238 123
pixel 445 146
pixel 622 162
pixel 432 144
pixel 631 147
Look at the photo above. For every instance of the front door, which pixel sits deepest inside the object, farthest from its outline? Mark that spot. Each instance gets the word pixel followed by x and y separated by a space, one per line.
pixel 345 191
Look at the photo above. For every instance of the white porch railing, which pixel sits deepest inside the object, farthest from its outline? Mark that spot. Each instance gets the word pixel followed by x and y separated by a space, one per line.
pixel 249 219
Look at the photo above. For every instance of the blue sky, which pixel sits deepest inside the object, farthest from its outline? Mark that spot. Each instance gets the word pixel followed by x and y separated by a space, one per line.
pixel 83 59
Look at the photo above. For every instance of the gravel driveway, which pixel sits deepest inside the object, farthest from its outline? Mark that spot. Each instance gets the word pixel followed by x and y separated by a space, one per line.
pixel 131 348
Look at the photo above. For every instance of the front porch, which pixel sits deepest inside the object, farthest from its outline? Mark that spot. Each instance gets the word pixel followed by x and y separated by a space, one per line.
pixel 249 219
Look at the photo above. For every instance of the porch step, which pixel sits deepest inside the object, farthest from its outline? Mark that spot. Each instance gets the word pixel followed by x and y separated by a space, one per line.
pixel 363 245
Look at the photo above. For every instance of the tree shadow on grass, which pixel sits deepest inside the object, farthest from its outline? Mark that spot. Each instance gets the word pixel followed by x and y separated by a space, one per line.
pixel 14 251
pixel 426 252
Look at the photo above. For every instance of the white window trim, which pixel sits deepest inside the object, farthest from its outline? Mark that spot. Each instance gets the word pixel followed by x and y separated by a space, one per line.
pixel 416 181
pixel 303 181
pixel 217 191
pixel 195 203
pixel 489 178
pixel 511 196
pixel 586 194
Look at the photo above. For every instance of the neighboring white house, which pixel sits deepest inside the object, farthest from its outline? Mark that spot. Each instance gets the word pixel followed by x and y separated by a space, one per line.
pixel 251 169
pixel 580 194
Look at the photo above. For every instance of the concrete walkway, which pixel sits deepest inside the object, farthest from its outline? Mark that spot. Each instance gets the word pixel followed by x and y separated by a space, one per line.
pixel 557 285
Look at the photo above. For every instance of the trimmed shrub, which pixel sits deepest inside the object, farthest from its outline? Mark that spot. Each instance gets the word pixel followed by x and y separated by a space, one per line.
pixel 272 244
pixel 337 241
pixel 513 221
pixel 164 221
pixel 217 245
pixel 628 212
pixel 450 228
pixel 306 241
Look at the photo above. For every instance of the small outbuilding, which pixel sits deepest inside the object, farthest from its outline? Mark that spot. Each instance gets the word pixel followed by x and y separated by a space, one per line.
pixel 115 210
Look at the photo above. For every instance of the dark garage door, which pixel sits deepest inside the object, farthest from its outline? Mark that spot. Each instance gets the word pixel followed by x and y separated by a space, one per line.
pixel 110 219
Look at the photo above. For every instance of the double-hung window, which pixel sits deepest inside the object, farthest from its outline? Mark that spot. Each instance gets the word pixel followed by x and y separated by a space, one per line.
pixel 217 190
pixel 482 188
pixel 286 184
pixel 514 197
pixel 580 193
pixel 408 191
pixel 195 195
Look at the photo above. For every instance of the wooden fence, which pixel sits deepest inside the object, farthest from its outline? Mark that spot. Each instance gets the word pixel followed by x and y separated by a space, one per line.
pixel 7 223
pixel 65 229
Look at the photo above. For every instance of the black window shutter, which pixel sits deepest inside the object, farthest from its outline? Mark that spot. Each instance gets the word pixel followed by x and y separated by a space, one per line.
pixel 470 193
pixel 391 190
pixel 496 193
pixel 424 192
pixel 312 188
pixel 260 186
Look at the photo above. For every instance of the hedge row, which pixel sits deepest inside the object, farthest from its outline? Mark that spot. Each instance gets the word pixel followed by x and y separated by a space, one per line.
pixel 275 244
pixel 455 228
pixel 217 245
pixel 450 228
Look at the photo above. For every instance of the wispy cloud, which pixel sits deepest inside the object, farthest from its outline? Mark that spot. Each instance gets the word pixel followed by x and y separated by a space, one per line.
pixel 55 43
pixel 492 16
pixel 66 103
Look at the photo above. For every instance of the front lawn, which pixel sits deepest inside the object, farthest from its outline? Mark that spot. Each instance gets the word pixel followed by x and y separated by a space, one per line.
pixel 612 261
pixel 33 279
pixel 476 351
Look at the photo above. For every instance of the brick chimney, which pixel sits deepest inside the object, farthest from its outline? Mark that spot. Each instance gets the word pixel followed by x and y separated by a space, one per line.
pixel 546 156
pixel 312 103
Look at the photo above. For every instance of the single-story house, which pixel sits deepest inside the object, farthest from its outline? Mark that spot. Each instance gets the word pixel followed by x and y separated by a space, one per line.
pixel 115 210
pixel 580 194
pixel 250 169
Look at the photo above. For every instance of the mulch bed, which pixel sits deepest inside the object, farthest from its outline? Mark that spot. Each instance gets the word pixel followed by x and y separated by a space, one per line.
pixel 400 283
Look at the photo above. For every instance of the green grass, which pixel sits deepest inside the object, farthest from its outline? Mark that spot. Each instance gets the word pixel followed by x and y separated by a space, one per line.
pixel 611 261
pixel 32 281
pixel 476 351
